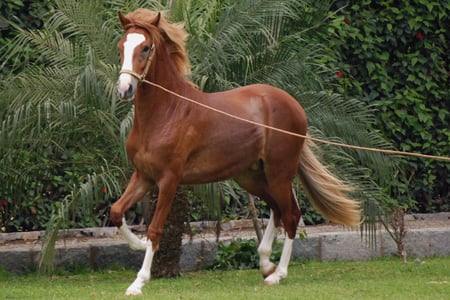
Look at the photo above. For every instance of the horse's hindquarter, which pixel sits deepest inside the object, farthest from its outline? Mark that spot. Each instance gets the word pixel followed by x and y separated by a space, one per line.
pixel 226 146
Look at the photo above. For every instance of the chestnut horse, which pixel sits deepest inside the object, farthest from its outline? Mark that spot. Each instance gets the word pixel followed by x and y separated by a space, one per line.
pixel 175 142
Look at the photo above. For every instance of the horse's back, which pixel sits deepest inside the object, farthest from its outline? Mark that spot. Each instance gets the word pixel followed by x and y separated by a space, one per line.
pixel 278 107
pixel 274 108
pixel 226 146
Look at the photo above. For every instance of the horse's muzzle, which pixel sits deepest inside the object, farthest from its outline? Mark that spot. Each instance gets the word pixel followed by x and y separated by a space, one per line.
pixel 127 95
pixel 126 89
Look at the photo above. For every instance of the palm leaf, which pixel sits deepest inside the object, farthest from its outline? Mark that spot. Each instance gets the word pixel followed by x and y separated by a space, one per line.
pixel 66 101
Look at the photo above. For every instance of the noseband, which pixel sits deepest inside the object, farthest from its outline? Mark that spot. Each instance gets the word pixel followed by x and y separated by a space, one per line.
pixel 141 77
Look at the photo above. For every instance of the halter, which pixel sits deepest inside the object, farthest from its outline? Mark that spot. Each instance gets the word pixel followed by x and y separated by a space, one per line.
pixel 141 77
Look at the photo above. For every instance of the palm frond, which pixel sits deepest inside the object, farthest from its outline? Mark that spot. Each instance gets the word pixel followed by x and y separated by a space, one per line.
pixel 224 48
pixel 79 20
pixel 350 119
pixel 82 200
pixel 125 127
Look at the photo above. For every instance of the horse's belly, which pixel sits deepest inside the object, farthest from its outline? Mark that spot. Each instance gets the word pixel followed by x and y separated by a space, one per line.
pixel 219 165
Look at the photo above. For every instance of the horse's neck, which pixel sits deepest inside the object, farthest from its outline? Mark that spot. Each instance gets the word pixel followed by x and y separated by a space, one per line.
pixel 158 104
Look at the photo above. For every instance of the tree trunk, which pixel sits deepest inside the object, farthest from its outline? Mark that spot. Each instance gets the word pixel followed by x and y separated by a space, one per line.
pixel 166 262
pixel 254 212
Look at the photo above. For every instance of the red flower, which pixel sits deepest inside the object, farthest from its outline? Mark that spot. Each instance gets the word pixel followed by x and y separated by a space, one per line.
pixel 104 190
pixel 33 211
pixel 4 203
pixel 339 74
pixel 419 35
pixel 347 21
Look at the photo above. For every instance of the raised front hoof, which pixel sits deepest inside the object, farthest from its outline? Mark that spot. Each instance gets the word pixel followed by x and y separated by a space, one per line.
pixel 133 292
pixel 138 245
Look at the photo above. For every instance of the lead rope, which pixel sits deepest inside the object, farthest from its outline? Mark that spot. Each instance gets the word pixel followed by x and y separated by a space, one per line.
pixel 386 151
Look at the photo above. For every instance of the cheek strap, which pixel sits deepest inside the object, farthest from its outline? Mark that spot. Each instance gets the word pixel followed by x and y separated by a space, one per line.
pixel 141 77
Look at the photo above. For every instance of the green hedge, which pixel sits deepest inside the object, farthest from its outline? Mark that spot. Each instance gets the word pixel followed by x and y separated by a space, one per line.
pixel 395 55
pixel 26 14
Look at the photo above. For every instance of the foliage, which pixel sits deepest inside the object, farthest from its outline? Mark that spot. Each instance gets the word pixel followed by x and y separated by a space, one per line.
pixel 240 254
pixel 26 14
pixel 394 55
pixel 62 114
pixel 31 208
pixel 237 255
pixel 222 201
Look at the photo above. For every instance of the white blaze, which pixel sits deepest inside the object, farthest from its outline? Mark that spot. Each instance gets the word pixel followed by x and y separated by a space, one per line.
pixel 125 80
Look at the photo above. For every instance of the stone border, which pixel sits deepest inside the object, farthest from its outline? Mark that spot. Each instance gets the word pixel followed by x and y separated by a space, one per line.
pixel 198 253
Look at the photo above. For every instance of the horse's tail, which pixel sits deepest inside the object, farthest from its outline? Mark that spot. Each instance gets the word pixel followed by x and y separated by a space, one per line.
pixel 326 192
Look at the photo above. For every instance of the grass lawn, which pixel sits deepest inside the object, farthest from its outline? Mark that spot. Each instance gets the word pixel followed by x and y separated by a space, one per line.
pixel 380 279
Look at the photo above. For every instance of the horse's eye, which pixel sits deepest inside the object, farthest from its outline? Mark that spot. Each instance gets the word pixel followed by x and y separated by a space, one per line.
pixel 146 49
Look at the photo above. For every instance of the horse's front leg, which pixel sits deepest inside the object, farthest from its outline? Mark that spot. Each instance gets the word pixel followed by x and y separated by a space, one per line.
pixel 144 273
pixel 167 188
pixel 135 191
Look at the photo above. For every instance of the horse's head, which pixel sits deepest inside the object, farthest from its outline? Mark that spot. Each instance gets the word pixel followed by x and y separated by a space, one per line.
pixel 137 48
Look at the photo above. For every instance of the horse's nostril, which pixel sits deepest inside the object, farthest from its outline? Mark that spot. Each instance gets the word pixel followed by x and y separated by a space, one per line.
pixel 125 91
pixel 129 93
pixel 126 87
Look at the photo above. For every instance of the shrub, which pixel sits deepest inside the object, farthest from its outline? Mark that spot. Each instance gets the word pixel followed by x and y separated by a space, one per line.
pixel 240 254
pixel 395 55
pixel 25 14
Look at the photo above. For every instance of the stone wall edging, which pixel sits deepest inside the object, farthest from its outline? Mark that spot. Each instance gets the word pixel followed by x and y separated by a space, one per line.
pixel 199 253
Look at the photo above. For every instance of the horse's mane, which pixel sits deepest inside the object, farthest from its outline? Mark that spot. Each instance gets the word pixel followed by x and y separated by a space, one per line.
pixel 173 34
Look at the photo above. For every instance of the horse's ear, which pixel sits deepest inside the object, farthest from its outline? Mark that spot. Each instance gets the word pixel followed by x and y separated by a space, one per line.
pixel 155 22
pixel 124 21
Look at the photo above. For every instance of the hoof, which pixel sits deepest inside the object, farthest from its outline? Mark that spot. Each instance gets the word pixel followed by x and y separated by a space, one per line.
pixel 133 292
pixel 273 279
pixel 270 282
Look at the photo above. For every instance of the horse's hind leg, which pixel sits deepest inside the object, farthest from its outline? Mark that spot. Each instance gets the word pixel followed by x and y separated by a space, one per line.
pixel 256 184
pixel 290 216
pixel 280 198
pixel 281 270
pixel 265 248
